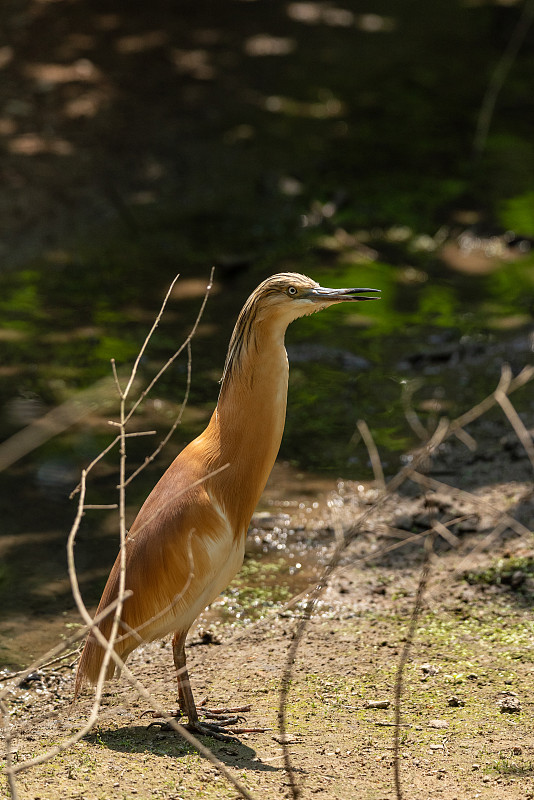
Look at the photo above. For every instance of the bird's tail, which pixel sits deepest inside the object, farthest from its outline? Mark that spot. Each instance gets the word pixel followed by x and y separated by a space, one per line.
pixel 92 657
pixel 90 664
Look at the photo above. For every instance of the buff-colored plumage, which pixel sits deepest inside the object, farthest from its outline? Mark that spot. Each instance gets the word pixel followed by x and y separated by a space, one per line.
pixel 188 540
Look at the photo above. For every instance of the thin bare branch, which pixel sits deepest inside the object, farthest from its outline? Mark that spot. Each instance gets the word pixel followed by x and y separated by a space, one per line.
pixel 94 462
pixel 465 438
pixel 445 533
pixel 374 457
pixel 414 619
pixel 140 354
pixel 443 430
pixel 484 543
pixel 408 390
pixel 116 606
pixel 116 378
pixel 173 358
pixel 499 76
pixel 16 678
pixel 10 772
pixel 515 420
pixel 177 422
pixel 524 377
pixel 40 664
pixel 426 480
pixel 98 396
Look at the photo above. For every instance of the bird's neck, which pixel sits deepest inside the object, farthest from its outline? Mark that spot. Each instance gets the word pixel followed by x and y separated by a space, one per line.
pixel 247 425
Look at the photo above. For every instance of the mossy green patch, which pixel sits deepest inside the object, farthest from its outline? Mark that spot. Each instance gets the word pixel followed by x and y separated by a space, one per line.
pixel 512 572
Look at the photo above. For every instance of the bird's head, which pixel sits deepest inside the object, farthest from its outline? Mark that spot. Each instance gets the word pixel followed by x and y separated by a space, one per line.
pixel 278 301
pixel 289 295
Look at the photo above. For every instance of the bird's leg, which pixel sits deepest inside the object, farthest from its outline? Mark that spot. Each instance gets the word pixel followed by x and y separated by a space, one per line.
pixel 187 706
pixel 186 701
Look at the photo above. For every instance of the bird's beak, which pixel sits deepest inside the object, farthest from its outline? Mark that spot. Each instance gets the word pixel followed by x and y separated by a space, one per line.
pixel 321 295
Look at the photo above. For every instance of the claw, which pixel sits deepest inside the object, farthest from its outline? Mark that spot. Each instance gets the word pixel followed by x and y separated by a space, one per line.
pixel 156 714
pixel 209 729
pixel 225 720
pixel 163 725
pixel 234 710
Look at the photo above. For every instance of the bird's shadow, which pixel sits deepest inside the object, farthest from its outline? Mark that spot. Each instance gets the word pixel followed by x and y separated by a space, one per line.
pixel 143 739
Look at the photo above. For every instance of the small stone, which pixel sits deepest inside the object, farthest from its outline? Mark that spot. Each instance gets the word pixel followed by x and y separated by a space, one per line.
pixel 376 704
pixel 518 577
pixel 429 669
pixel 286 738
pixel 475 766
pixel 438 723
pixel 378 590
pixel 455 702
pixel 509 703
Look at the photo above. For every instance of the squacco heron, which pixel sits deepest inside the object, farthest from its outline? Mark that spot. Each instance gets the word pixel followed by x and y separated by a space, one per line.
pixel 188 540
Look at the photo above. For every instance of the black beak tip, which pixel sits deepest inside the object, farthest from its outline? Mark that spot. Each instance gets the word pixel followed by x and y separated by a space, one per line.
pixel 358 294
pixel 339 295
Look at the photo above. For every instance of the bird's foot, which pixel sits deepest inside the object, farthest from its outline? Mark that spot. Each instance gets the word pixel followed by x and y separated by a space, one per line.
pixel 225 719
pixel 199 728
pixel 223 714
pixel 227 716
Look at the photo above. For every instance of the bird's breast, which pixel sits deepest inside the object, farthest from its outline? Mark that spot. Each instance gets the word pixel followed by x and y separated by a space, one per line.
pixel 222 557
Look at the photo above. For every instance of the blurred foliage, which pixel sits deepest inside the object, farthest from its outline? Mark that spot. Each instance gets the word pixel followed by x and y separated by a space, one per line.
pixel 517 213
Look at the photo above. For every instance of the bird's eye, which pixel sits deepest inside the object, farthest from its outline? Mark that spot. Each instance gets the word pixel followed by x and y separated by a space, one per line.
pixel 291 291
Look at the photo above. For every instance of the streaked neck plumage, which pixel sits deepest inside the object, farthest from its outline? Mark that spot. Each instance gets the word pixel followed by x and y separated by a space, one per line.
pixel 246 428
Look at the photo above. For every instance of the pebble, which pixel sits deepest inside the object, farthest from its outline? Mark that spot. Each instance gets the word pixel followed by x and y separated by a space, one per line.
pixel 286 738
pixel 429 669
pixel 455 702
pixel 509 703
pixel 376 704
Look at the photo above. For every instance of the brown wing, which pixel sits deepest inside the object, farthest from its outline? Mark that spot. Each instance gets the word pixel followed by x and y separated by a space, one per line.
pixel 173 556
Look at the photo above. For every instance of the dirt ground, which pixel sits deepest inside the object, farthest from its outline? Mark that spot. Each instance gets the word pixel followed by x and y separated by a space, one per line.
pixel 467 690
